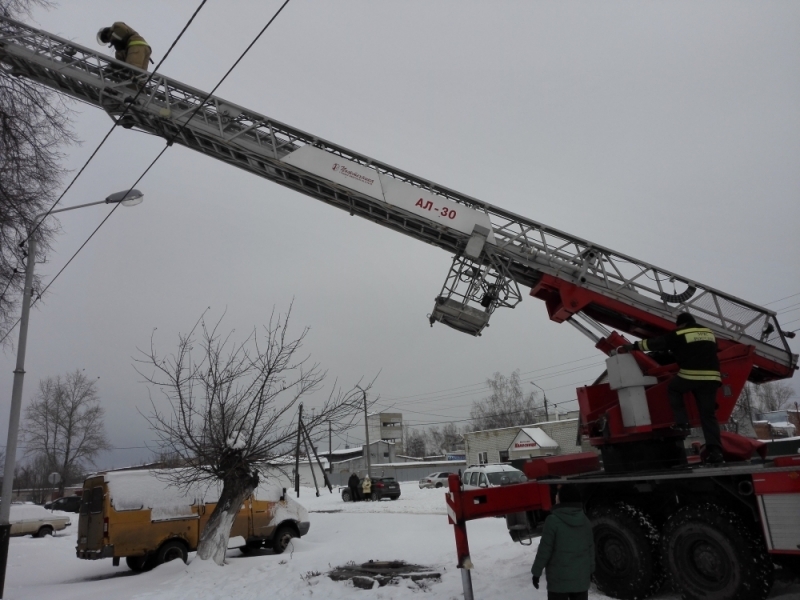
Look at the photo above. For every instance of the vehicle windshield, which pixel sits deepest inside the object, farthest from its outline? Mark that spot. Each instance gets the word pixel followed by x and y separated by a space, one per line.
pixel 504 477
pixel 387 479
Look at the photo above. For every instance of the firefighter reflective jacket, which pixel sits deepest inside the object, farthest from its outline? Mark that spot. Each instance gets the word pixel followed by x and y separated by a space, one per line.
pixel 694 348
pixel 123 37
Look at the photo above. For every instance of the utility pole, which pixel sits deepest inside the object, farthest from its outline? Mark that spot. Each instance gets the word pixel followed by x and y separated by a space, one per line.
pixel 546 414
pixel 297 453
pixel 366 432
pixel 330 447
pixel 319 462
pixel 307 441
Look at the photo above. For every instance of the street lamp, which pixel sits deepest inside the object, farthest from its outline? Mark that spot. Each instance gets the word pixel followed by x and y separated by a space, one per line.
pixel 546 414
pixel 127 198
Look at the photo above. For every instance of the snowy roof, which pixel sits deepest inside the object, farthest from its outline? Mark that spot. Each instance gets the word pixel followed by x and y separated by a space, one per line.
pixel 341 451
pixel 290 460
pixel 346 450
pixel 532 437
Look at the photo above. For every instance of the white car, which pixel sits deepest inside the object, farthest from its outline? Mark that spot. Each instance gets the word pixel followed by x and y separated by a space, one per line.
pixel 30 519
pixel 434 480
pixel 483 476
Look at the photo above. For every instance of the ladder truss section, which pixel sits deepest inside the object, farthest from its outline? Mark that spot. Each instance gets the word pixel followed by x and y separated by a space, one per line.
pixel 526 249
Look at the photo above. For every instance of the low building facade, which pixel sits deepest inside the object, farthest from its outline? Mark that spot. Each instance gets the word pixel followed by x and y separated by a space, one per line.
pixel 496 445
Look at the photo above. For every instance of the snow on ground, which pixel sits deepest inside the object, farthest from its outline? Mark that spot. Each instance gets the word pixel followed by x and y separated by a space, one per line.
pixel 413 528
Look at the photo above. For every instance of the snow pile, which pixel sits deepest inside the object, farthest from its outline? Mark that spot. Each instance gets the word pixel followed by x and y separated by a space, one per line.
pixel 413 528
pixel 236 441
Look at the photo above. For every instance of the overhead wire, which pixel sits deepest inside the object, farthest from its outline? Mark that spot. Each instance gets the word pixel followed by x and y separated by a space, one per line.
pixel 116 122
pixel 160 154
pixel 94 153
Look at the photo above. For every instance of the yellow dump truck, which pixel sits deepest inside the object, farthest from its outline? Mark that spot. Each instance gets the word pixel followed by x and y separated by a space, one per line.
pixel 139 516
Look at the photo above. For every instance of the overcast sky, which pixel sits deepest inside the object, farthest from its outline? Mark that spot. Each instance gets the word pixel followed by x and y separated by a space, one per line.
pixel 669 131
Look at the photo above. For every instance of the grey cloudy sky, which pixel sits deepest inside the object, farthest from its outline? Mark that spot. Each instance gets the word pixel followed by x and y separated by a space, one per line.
pixel 669 131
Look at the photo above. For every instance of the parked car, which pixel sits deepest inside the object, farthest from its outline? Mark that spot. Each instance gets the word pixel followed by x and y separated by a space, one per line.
pixel 382 487
pixel 434 480
pixel 29 519
pixel 482 476
pixel 66 504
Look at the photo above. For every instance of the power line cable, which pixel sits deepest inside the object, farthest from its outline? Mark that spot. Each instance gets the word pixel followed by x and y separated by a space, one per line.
pixel 781 299
pixel 96 150
pixel 117 122
pixel 160 154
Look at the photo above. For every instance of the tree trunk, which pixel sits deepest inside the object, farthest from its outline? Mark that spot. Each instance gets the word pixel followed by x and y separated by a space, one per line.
pixel 214 538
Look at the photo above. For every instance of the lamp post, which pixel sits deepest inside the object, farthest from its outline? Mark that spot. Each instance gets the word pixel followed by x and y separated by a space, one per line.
pixel 546 414
pixel 127 198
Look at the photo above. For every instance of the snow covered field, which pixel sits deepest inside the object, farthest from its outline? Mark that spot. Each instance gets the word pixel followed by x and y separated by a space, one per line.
pixel 413 528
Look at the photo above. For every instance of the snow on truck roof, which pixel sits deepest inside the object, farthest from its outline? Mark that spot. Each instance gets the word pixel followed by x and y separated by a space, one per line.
pixel 135 490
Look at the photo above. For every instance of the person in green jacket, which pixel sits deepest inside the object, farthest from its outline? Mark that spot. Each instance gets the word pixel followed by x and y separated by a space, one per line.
pixel 566 549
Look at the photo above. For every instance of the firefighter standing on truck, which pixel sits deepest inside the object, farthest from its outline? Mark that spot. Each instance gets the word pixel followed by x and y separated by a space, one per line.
pixel 129 46
pixel 695 350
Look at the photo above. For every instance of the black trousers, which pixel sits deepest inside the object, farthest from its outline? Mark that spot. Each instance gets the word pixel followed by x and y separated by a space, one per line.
pixel 705 395
pixel 568 595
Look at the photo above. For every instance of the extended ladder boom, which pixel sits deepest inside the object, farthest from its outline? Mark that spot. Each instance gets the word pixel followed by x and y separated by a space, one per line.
pixel 495 250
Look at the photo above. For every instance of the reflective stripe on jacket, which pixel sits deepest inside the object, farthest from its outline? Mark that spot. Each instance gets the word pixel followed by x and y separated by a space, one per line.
pixel 694 349
pixel 124 36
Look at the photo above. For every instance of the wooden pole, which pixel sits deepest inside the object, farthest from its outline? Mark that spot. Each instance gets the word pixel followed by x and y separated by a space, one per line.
pixel 308 454
pixel 297 452
pixel 366 431
pixel 319 462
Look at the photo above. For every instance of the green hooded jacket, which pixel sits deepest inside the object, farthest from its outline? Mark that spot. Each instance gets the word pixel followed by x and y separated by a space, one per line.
pixel 566 550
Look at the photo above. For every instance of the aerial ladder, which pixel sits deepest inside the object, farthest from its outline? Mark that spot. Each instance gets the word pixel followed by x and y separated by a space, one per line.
pixel 600 292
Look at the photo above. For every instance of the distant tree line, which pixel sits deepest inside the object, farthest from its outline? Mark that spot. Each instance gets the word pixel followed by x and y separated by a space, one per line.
pixel 62 432
pixel 507 405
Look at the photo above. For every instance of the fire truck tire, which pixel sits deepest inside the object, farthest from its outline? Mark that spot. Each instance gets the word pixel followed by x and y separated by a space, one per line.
pixel 711 554
pixel 627 563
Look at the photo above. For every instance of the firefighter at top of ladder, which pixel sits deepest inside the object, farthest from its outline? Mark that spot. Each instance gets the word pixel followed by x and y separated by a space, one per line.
pixel 129 46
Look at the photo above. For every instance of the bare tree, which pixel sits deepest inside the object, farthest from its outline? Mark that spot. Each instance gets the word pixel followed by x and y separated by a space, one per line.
pixel 34 124
pixel 506 406
pixel 772 396
pixel 415 444
pixel 232 410
pixel 64 423
pixel 32 478
pixel 741 420
pixel 438 441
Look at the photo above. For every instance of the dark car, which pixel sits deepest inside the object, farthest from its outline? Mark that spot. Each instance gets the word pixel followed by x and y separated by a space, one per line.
pixel 385 487
pixel 66 504
pixel 382 487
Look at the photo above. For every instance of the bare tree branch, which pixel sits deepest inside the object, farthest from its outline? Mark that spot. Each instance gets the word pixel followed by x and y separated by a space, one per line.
pixel 34 124
pixel 64 423
pixel 230 410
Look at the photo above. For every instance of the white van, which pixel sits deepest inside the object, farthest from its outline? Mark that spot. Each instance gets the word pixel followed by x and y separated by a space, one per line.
pixel 483 476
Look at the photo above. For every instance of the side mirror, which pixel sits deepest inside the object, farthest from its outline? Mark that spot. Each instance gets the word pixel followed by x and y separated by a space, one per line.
pixel 483 484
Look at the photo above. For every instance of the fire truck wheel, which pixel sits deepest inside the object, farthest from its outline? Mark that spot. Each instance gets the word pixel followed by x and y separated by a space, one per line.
pixel 626 546
pixel 711 553
pixel 172 550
